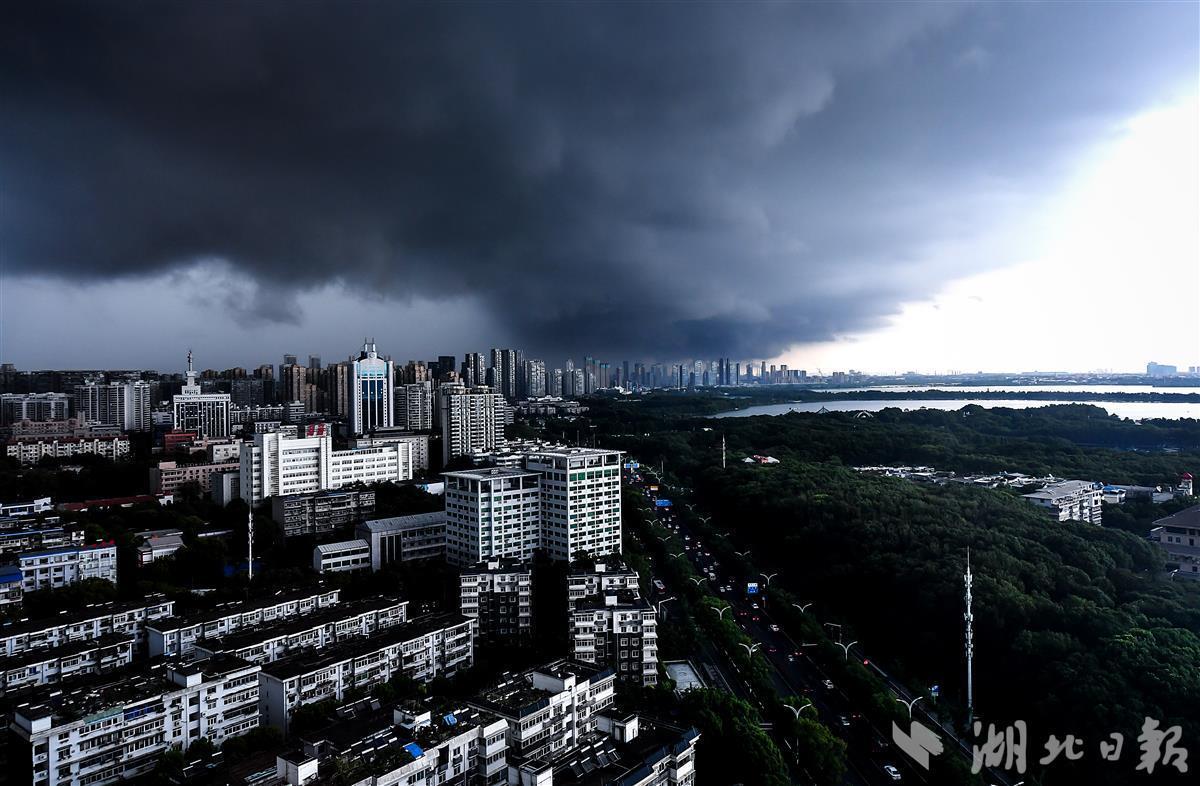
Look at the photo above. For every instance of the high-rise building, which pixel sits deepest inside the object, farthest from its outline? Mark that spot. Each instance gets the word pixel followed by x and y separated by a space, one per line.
pixel 371 397
pixel 555 387
pixel 535 378
pixel 205 414
pixel 581 501
pixel 414 406
pixel 336 378
pixel 472 420
pixel 38 407
pixel 491 513
pixel 125 405
pixel 473 370
pixel 504 363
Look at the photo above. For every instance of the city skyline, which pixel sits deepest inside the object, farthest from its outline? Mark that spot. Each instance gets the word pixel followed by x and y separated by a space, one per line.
pixel 869 191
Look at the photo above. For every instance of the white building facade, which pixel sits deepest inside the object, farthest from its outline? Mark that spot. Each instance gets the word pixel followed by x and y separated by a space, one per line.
pixel 472 420
pixel 370 391
pixel 581 500
pixel 274 465
pixel 492 513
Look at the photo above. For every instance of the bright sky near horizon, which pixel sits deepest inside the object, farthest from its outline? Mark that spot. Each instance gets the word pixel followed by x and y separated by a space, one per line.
pixel 1111 281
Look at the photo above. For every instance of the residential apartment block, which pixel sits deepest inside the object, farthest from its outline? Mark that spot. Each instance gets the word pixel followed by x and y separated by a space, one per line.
pixel 177 636
pixel 332 625
pixel 472 420
pixel 31 450
pixel 581 500
pixel 87 624
pixel 424 648
pixel 321 512
pixel 497 595
pixel 617 629
pixel 103 733
pixel 45 666
pixel 59 567
pixel 492 513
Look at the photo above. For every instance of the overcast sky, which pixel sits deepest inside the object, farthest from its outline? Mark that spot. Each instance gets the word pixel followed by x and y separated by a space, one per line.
pixel 882 186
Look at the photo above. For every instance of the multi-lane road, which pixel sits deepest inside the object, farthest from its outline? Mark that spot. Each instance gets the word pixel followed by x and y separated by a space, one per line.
pixel 871 756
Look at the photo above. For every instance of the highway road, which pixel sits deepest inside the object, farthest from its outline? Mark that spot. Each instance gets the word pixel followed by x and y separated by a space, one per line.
pixel 869 749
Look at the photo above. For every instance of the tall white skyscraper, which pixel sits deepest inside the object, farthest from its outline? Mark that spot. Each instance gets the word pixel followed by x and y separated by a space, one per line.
pixel 505 367
pixel 414 406
pixel 371 397
pixel 206 414
pixel 472 420
pixel 125 405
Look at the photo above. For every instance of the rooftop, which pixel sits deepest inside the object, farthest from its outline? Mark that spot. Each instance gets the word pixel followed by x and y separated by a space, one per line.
pixel 1188 517
pixel 303 663
pixel 343 545
pixel 74 616
pixel 516 695
pixel 601 761
pixel 239 607
pixel 41 655
pixel 625 599
pixel 404 522
pixel 1062 489
pixel 489 473
pixel 330 614
pixel 119 691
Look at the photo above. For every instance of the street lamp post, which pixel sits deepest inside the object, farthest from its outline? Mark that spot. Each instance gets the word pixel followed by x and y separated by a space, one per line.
pixel 846 647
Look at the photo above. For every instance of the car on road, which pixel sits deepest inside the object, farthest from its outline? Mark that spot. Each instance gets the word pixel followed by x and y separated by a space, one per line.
pixel 754 605
pixel 774 628
pixel 843 721
pixel 892 772
pixel 828 684
pixel 772 649
pixel 791 658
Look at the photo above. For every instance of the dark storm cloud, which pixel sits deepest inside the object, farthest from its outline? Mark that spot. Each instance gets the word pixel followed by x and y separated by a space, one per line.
pixel 662 179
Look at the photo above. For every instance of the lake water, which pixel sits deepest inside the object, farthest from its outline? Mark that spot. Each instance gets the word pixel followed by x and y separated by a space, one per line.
pixel 1135 410
pixel 1018 388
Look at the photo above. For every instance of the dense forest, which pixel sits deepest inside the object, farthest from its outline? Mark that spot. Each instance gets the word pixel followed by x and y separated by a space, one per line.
pixel 1078 631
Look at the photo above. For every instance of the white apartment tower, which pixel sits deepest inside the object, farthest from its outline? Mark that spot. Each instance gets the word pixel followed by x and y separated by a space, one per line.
pixel 492 513
pixel 581 500
pixel 370 391
pixel 472 420
pixel 125 405
pixel 414 406
pixel 206 414
pixel 535 378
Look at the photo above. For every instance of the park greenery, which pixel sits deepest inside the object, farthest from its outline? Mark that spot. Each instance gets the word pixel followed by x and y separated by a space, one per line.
pixel 1078 629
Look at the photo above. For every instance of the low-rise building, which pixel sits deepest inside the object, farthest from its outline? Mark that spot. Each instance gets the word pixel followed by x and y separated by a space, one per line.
pixel 405 538
pixel 626 750
pixel 46 666
pixel 1178 535
pixel 168 477
pixel 31 450
pixel 497 595
pixel 59 567
pixel 102 733
pixel 17 536
pixel 322 512
pixel 342 557
pixel 87 624
pixel 431 742
pixel 424 648
pixel 419 443
pixel 11 594
pixel 177 636
pixel 333 625
pixel 157 544
pixel 1070 500
pixel 549 709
